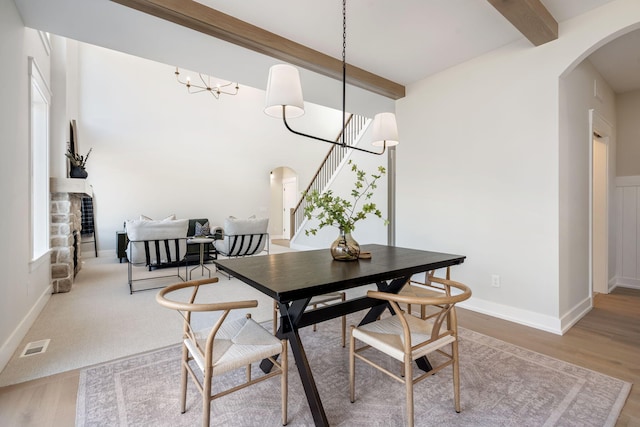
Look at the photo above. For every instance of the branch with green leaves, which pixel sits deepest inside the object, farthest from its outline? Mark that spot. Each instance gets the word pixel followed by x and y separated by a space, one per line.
pixel 332 210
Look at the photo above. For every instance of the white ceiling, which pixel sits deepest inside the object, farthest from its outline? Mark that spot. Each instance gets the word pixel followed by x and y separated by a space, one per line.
pixel 402 40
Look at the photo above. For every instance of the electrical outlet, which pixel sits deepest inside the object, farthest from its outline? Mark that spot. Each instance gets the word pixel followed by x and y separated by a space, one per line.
pixel 495 280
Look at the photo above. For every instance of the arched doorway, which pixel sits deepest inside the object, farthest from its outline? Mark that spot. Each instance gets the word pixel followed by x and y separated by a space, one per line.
pixel 284 197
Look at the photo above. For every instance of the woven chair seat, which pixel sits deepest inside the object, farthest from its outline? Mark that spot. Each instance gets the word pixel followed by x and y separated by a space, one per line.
pixel 387 335
pixel 238 343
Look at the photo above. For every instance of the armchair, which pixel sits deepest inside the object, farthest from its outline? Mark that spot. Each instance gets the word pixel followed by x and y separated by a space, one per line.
pixel 156 244
pixel 243 237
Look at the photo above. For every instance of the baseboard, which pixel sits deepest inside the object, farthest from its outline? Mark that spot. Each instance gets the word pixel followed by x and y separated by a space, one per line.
pixel 575 314
pixel 624 282
pixel 516 315
pixel 11 344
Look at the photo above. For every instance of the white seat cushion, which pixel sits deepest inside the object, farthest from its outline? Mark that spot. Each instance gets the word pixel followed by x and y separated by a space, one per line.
pixel 238 343
pixel 387 336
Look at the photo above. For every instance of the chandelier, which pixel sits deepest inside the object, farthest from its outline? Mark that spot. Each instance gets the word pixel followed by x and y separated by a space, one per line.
pixel 205 85
pixel 284 99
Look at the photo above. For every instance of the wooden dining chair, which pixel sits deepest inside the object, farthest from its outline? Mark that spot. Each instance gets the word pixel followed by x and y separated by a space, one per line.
pixel 406 338
pixel 424 288
pixel 324 299
pixel 225 346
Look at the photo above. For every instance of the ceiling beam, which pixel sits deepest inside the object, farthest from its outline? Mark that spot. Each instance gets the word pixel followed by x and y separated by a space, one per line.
pixel 530 17
pixel 209 21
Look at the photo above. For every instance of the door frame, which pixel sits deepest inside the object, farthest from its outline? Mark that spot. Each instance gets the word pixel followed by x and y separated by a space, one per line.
pixel 286 216
pixel 600 131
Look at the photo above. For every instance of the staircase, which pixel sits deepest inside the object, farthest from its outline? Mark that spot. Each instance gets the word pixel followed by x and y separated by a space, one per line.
pixel 331 164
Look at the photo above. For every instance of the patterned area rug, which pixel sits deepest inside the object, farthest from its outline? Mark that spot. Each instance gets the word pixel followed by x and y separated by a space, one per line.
pixel 501 385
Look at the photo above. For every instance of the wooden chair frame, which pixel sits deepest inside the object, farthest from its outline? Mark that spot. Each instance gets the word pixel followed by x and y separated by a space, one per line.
pixel 206 352
pixel 428 288
pixel 444 331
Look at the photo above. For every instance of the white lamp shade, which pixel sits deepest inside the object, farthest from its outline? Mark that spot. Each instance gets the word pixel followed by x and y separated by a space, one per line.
pixel 385 130
pixel 283 88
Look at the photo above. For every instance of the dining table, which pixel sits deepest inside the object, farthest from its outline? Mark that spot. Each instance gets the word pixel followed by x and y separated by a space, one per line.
pixel 293 278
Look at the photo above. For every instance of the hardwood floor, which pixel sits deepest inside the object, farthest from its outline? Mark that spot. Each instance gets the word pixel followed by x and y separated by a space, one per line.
pixel 606 340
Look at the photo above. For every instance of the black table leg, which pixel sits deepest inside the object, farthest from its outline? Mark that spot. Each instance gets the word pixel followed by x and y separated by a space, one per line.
pixel 308 383
pixel 290 317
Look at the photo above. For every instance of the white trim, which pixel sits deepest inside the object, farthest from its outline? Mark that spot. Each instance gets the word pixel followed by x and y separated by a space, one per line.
pixel 600 126
pixel 626 282
pixel 46 41
pixel 576 313
pixel 13 342
pixel 35 73
pixel 36 263
pixel 628 181
pixel 516 315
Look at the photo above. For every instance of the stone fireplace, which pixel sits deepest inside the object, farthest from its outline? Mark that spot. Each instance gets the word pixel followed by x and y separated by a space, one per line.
pixel 66 223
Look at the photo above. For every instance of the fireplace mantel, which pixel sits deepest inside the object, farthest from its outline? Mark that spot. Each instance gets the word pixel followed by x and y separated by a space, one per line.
pixel 70 185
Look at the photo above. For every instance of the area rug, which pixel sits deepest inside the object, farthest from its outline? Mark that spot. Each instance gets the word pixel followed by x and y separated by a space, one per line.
pixel 501 385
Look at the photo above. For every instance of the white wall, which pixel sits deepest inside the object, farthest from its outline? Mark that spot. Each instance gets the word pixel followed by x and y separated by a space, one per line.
pixel 24 287
pixel 158 150
pixel 628 106
pixel 479 169
pixel 576 99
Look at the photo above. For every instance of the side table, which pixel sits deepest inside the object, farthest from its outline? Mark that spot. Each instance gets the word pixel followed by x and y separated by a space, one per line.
pixel 121 245
pixel 203 241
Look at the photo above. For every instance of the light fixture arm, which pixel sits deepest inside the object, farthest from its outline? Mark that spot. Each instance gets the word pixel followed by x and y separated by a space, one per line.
pixel 341 144
pixel 206 86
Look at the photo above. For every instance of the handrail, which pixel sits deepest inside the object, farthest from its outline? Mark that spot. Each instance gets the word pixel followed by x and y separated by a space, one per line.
pixel 315 176
pixel 330 164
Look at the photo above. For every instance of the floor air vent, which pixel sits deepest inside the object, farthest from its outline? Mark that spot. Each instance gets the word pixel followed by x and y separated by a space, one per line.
pixel 36 347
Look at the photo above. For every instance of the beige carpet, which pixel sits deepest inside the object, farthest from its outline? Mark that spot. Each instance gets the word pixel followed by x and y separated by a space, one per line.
pixel 501 385
pixel 99 321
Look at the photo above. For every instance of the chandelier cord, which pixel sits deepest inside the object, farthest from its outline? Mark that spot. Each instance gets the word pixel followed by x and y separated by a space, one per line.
pixel 344 69
pixel 343 125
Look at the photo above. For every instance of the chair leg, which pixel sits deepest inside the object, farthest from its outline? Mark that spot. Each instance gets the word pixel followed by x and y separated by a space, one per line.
pixel 206 398
pixel 456 375
pixel 275 317
pixel 183 380
pixel 284 381
pixel 352 366
pixel 408 381
pixel 344 324
pixel 315 328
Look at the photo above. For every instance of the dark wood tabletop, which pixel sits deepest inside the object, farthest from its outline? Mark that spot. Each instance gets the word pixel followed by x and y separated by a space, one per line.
pixel 295 275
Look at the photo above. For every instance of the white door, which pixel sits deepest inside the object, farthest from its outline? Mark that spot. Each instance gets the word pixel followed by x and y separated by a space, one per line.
pixel 289 200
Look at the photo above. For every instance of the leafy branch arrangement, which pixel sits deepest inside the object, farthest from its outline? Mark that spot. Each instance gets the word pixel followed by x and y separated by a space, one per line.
pixel 338 212
pixel 76 159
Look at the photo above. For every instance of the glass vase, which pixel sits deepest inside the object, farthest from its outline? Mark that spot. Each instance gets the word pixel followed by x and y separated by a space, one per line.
pixel 345 248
